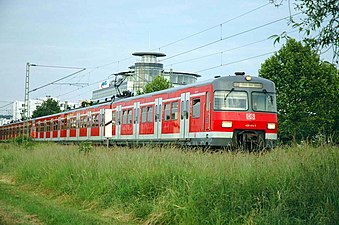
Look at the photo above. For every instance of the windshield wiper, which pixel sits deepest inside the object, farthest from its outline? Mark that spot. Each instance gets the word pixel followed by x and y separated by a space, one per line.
pixel 228 94
pixel 268 95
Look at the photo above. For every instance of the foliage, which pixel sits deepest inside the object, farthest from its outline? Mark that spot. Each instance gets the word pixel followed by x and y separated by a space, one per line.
pixel 307 92
pixel 85 147
pixel 319 23
pixel 48 107
pixel 24 141
pixel 157 84
pixel 170 186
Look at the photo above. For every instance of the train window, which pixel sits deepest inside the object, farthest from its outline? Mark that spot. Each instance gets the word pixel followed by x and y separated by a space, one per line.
pixel 129 116
pixel 149 113
pixel 207 101
pixel 174 110
pixel 143 114
pixel 113 118
pixel 230 100
pixel 95 120
pixel 73 123
pixel 83 121
pixel 55 126
pixel 65 124
pixel 263 101
pixel 124 117
pixel 196 108
pixel 48 128
pixel 167 112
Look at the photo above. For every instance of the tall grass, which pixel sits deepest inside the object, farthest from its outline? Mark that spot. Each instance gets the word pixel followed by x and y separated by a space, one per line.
pixel 166 185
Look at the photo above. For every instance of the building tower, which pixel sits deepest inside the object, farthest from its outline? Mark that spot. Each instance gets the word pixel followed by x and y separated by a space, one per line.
pixel 147 69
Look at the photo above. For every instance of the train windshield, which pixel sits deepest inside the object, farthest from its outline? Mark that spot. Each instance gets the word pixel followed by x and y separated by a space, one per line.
pixel 230 100
pixel 263 102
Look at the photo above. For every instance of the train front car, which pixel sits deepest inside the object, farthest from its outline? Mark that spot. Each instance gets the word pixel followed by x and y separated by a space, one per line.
pixel 245 113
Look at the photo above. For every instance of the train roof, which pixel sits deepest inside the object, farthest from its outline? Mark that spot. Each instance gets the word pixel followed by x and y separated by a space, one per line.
pixel 217 82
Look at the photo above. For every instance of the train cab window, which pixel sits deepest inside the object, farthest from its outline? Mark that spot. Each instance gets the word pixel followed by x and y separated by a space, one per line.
pixel 143 114
pixel 124 117
pixel 231 100
pixel 196 108
pixel 263 101
pixel 167 112
pixel 129 116
pixel 174 111
pixel 149 113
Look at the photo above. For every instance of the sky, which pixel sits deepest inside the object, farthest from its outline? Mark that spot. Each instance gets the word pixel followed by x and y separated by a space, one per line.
pixel 208 37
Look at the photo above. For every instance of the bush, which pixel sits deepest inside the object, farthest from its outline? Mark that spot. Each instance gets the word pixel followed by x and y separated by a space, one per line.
pixel 23 141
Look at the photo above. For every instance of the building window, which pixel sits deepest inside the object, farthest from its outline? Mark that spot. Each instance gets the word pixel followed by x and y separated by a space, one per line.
pixel 196 108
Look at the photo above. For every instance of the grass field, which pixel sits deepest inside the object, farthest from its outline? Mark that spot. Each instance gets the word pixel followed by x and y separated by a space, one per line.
pixel 56 184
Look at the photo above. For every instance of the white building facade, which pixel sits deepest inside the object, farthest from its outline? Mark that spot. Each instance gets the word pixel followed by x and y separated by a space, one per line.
pixel 18 106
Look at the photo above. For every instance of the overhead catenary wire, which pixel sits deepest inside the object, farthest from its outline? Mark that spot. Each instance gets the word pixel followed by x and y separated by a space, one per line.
pixel 53 82
pixel 197 33
pixel 227 50
pixel 210 43
pixel 6 105
pixel 238 61
pixel 227 37
pixel 210 28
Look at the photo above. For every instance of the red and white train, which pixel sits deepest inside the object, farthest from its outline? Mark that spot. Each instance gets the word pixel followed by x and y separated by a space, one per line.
pixel 227 111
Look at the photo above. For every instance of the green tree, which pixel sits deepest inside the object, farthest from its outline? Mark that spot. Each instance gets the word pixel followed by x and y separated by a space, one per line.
pixel 318 23
pixel 157 84
pixel 307 92
pixel 48 107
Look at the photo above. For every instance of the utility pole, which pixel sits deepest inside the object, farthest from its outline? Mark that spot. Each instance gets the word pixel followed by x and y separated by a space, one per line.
pixel 26 105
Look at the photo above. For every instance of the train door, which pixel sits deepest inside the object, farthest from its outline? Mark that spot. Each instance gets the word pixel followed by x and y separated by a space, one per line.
pixel 184 115
pixel 77 127
pixel 157 118
pixel 68 133
pixel 45 129
pixel 108 123
pixel 102 123
pixel 33 132
pixel 59 127
pixel 136 120
pixel 39 129
pixel 118 122
pixel 89 124
pixel 207 116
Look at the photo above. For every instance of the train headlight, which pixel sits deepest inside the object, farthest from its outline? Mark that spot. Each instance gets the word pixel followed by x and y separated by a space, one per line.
pixel 271 126
pixel 226 124
pixel 248 77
